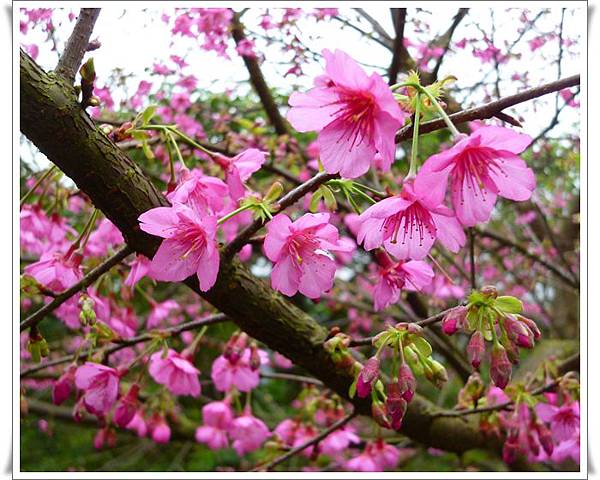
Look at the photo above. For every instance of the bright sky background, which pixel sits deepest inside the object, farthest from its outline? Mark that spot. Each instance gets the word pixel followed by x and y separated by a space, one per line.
pixel 136 38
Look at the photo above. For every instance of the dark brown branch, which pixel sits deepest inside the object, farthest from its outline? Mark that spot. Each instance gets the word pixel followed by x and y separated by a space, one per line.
pixel 400 54
pixel 86 281
pixel 509 243
pixel 489 110
pixel 445 39
pixel 120 344
pixel 77 44
pixel 258 81
pixel 337 425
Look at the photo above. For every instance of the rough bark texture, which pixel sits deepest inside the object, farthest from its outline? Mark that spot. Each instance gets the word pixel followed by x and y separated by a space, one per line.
pixel 52 119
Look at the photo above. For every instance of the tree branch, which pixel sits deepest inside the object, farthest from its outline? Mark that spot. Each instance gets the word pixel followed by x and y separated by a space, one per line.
pixel 400 54
pixel 77 44
pixel 445 39
pixel 86 281
pixel 489 110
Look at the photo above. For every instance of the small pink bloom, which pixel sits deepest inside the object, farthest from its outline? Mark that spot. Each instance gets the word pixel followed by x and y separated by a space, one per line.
pixel 199 191
pixel 393 277
pixel 226 373
pixel 248 433
pixel 476 349
pixel 300 251
pixel 161 312
pixel 100 385
pixel 189 246
pixel 408 224
pixel 64 386
pixel 138 424
pixel 281 361
pixel 356 116
pixel 246 48
pixel 482 166
pixel 139 268
pixel 240 168
pixel 367 376
pixel 175 372
pixel 564 420
pixel 127 407
pixel 56 271
pixel 500 367
pixel 105 237
pixel 161 432
pixel 338 441
pixel 217 418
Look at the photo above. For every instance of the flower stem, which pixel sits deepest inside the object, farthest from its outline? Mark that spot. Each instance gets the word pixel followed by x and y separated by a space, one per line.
pixel 412 172
pixel 234 213
pixel 443 114
pixel 84 233
pixel 44 176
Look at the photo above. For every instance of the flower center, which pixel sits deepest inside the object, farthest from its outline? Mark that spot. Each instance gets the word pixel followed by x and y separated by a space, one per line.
pixel 414 220
pixel 473 167
pixel 356 112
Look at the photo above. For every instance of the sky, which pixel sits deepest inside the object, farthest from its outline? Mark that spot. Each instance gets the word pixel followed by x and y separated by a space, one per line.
pixel 134 39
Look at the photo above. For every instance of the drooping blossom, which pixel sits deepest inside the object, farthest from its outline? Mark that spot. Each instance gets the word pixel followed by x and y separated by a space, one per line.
pixel 300 251
pixel 161 312
pixel 127 407
pixel 139 268
pixel 100 385
pixel 356 116
pixel 338 441
pixel 123 321
pixel 189 246
pixel 105 237
pixel 377 456
pixel 62 388
pixel 217 417
pixel 408 224
pixel 199 191
pixel 175 372
pixel 393 277
pixel 138 424
pixel 248 433
pixel 367 376
pixel 56 271
pixel 238 373
pixel 160 430
pixel 481 167
pixel 564 420
pixel 240 168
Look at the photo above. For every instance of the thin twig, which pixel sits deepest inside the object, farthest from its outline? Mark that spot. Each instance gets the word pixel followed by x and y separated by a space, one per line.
pixel 337 425
pixel 87 280
pixel 472 257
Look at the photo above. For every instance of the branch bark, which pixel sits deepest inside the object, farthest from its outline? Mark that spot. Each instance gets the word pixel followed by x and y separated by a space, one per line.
pixel 400 54
pixel 77 44
pixel 53 120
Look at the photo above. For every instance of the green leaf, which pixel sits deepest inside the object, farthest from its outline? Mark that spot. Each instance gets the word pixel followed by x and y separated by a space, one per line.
pixel 329 198
pixel 508 304
pixel 314 201
pixel 352 389
pixel 147 150
pixel 148 113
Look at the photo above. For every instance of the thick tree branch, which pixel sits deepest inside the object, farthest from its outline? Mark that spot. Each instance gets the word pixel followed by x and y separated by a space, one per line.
pixel 490 110
pixel 400 54
pixel 53 120
pixel 86 281
pixel 77 44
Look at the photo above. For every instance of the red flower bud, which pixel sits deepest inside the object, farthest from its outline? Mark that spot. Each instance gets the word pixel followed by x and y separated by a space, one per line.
pixel 545 438
pixel 454 320
pixel 367 376
pixel 126 407
pixel 476 349
pixel 379 413
pixel 64 386
pixel 510 449
pixel 500 368
pixel 395 405
pixel 406 382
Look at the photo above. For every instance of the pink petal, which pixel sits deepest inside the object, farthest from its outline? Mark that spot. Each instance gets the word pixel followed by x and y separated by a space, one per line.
pixel 318 272
pixel 285 277
pixel 501 138
pixel 278 232
pixel 515 181
pixel 168 263
pixel 159 221
pixel 449 232
pixel 313 110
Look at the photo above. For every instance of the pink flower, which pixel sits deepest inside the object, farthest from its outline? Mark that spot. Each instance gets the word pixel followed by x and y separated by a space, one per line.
pixel 338 441
pixel 246 48
pixel 104 237
pixel 393 277
pixel 160 312
pixel 56 271
pixel 482 166
pixel 161 432
pixel 100 384
pixel 300 251
pixel 127 407
pixel 199 191
pixel 63 387
pixel 217 418
pixel 240 168
pixel 175 372
pixel 356 116
pixel 139 268
pixel 408 224
pixel 138 424
pixel 189 246
pixel 281 361
pixel 248 433
pixel 225 373
pixel 564 420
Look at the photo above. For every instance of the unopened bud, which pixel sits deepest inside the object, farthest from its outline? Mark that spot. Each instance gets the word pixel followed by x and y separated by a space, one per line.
pixel 545 437
pixel 476 349
pixel 406 382
pixel 273 193
pixel 440 376
pixel 379 413
pixel 500 368
pixel 254 357
pixel 395 404
pixel 454 320
pixel 489 291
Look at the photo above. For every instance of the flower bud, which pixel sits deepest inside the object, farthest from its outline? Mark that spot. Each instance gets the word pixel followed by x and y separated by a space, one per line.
pixel 545 438
pixel 254 357
pixel 440 376
pixel 454 320
pixel 343 359
pixel 518 332
pixel 273 193
pixel 531 325
pixel 489 291
pixel 367 376
pixel 510 449
pixel 100 438
pixel 534 446
pixel 395 404
pixel 500 368
pixel 473 390
pixel 161 432
pixel 406 382
pixel 476 349
pixel 379 413
pixel 63 387
pixel 126 407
